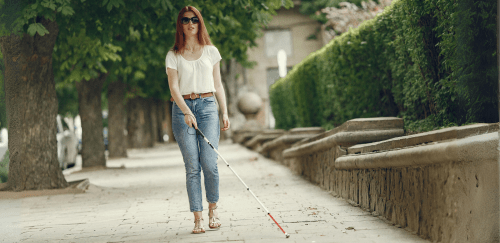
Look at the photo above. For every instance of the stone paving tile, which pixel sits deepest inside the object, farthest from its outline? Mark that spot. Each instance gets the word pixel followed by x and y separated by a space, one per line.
pixel 147 202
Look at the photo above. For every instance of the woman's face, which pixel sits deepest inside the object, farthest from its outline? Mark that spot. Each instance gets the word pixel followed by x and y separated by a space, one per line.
pixel 190 29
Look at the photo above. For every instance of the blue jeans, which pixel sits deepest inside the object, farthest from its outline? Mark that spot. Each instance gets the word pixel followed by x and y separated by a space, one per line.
pixel 196 152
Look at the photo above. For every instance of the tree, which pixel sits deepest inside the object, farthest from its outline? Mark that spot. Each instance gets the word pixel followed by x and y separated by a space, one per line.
pixel 3 110
pixel 233 28
pixel 82 60
pixel 313 7
pixel 29 31
pixel 349 15
pixel 28 38
pixel 28 34
pixel 117 143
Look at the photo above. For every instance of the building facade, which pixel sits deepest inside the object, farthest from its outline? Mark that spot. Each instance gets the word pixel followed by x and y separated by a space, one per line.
pixel 290 31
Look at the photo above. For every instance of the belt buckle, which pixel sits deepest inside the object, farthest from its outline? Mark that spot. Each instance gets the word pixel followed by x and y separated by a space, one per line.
pixel 192 96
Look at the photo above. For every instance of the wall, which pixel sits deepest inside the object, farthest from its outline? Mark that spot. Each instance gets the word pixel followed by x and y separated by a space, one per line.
pixel 441 185
pixel 301 27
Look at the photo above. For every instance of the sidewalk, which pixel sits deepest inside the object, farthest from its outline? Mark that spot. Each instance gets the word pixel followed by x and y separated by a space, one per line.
pixel 147 202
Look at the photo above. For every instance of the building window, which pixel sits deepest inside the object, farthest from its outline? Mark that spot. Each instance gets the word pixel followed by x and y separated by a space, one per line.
pixel 276 40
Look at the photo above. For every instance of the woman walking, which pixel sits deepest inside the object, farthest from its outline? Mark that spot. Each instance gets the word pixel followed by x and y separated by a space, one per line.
pixel 194 77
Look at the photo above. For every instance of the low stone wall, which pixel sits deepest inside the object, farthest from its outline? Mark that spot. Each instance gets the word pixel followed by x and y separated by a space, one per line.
pixel 256 142
pixel 445 192
pixel 441 185
pixel 310 157
pixel 274 148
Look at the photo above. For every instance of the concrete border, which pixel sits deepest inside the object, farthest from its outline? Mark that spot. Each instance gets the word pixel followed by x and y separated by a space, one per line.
pixel 342 139
pixel 359 124
pixel 475 148
pixel 263 137
pixel 74 187
pixel 284 140
pixel 426 137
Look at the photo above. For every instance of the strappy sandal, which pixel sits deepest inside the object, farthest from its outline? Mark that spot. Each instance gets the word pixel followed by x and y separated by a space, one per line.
pixel 198 226
pixel 213 222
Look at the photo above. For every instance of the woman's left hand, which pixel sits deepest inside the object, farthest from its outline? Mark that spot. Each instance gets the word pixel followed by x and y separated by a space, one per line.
pixel 225 121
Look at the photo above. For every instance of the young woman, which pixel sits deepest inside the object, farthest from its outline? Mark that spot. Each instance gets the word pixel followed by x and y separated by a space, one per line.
pixel 194 77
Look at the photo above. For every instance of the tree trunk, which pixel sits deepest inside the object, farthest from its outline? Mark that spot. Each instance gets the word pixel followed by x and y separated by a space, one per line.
pixel 168 122
pixel 228 76
pixel 139 123
pixel 117 120
pixel 32 109
pixel 160 120
pixel 154 104
pixel 89 107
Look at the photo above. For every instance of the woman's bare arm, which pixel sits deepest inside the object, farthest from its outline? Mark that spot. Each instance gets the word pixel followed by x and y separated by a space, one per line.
pixel 173 83
pixel 221 96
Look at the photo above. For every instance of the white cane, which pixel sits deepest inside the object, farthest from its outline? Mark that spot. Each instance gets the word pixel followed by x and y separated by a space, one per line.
pixel 248 189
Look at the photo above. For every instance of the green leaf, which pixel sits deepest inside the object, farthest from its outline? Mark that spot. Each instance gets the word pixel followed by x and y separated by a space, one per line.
pixel 37 28
pixel 169 4
pixel 67 10
pixel 164 5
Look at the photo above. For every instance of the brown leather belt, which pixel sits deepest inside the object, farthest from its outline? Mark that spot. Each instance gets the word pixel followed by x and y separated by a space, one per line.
pixel 193 96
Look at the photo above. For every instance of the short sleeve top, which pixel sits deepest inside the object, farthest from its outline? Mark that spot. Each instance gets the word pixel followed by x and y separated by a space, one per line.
pixel 195 76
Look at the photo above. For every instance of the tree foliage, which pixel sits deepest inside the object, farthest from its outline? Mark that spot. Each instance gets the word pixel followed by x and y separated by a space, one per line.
pixel 23 16
pixel 130 39
pixel 313 7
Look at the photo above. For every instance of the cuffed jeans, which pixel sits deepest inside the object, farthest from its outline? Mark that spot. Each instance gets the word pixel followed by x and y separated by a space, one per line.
pixel 197 154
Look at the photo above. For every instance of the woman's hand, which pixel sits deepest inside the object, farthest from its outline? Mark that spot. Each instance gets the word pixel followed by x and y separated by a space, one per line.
pixel 190 120
pixel 225 121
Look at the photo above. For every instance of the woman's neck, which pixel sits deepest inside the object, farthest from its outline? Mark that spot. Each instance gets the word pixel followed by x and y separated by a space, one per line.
pixel 192 42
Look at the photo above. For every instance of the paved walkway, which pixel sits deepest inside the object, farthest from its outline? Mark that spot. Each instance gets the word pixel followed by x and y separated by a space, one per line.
pixel 147 202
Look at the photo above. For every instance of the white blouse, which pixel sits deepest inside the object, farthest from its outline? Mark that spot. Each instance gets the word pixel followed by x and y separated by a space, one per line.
pixel 197 75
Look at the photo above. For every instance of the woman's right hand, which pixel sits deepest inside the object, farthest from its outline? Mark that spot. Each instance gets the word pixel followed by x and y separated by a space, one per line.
pixel 190 120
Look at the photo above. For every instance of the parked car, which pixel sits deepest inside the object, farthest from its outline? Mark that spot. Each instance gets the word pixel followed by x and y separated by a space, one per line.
pixel 105 135
pixel 67 145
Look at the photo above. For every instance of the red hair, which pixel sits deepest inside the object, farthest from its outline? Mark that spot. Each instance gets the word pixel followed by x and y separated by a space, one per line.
pixel 203 37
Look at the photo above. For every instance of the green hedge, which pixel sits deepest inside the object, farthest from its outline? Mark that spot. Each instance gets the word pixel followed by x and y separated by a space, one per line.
pixel 431 62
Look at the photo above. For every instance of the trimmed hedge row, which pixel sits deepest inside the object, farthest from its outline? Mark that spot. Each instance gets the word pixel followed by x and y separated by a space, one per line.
pixel 431 62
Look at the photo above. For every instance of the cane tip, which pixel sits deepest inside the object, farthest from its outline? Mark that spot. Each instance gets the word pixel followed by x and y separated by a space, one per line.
pixel 287 235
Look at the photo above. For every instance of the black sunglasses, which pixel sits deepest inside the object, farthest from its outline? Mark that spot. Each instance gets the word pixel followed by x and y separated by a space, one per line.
pixel 194 20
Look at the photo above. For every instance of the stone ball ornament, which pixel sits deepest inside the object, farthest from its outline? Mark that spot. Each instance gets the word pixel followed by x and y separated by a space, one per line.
pixel 249 103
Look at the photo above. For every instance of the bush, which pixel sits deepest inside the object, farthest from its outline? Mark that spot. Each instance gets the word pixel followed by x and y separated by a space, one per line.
pixel 284 110
pixel 433 63
pixel 4 167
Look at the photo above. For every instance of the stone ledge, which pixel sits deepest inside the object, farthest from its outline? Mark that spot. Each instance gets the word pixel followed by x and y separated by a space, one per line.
pixel 241 136
pixel 284 140
pixel 475 148
pixel 290 137
pixel 423 138
pixel 359 124
pixel 263 137
pixel 345 139
pixel 306 130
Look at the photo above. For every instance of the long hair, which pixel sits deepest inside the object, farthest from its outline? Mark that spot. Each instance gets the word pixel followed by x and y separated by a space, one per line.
pixel 203 37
